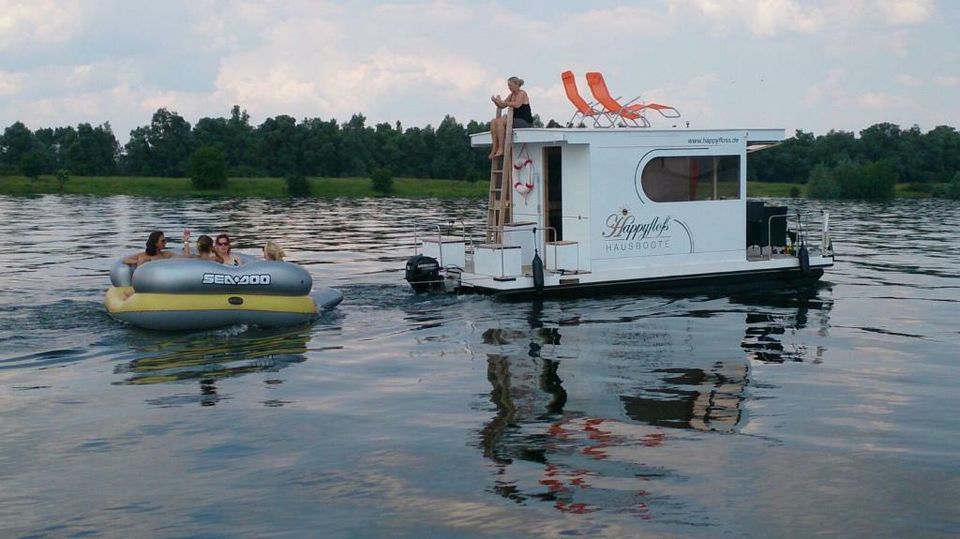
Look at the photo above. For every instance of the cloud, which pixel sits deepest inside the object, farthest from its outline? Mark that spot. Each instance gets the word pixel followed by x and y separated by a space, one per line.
pixel 868 43
pixel 38 23
pixel 909 80
pixel 313 66
pixel 604 22
pixel 10 83
pixel 883 101
pixel 776 18
pixel 70 61
pixel 762 19
pixel 905 11
pixel 831 88
pixel 946 80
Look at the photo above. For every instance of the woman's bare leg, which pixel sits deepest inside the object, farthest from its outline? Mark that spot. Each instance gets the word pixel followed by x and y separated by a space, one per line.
pixel 501 136
pixel 496 135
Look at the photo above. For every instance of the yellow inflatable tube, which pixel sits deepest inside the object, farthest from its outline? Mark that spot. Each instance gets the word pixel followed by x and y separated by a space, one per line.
pixel 201 311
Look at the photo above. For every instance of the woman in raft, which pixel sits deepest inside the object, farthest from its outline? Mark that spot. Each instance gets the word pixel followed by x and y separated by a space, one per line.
pixel 272 251
pixel 204 247
pixel 221 250
pixel 156 243
pixel 522 116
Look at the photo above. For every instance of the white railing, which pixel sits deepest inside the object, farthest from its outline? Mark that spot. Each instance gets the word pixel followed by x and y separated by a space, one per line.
pixel 437 230
pixel 801 223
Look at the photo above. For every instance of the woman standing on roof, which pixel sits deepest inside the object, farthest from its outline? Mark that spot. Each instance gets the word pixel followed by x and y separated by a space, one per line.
pixel 522 116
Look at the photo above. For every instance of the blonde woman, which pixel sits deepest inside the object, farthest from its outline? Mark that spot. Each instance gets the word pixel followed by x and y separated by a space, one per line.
pixel 519 101
pixel 272 251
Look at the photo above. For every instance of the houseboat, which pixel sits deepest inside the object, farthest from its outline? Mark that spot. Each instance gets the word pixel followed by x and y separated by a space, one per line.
pixel 579 210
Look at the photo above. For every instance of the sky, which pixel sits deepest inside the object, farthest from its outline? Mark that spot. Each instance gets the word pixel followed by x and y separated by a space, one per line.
pixel 796 64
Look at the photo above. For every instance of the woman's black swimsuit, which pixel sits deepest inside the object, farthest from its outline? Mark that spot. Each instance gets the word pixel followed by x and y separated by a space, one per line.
pixel 522 116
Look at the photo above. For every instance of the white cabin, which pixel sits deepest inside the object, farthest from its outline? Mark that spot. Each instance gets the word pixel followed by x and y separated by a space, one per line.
pixel 626 205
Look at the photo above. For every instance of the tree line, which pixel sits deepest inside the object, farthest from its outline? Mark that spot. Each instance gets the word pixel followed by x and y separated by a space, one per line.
pixel 280 146
pixel 911 155
pixel 283 146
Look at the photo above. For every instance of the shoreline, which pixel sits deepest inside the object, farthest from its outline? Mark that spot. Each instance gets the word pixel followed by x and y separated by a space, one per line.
pixel 324 188
pixel 260 187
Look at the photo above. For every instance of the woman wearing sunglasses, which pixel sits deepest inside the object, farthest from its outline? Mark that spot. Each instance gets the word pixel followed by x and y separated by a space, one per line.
pixel 221 249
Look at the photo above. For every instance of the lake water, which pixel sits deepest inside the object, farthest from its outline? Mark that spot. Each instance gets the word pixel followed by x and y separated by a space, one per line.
pixel 832 411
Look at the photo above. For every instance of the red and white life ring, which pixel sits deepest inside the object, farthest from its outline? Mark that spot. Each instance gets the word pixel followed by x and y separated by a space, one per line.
pixel 520 164
pixel 523 186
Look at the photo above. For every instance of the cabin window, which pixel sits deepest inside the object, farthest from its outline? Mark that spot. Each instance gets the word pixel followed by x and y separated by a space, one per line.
pixel 683 179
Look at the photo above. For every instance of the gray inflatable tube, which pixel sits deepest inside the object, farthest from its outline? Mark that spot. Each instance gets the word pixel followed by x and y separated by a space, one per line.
pixel 186 293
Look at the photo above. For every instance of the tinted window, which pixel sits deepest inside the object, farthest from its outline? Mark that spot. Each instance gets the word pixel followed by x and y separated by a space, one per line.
pixel 682 179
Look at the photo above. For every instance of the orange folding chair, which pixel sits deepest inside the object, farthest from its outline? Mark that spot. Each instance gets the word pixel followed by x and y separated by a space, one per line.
pixel 632 113
pixel 584 109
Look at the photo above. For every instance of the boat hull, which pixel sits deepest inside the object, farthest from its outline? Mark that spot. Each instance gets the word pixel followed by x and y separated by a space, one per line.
pixel 706 282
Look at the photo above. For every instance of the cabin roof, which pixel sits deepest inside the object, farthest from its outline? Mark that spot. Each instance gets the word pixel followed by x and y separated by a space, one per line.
pixel 755 139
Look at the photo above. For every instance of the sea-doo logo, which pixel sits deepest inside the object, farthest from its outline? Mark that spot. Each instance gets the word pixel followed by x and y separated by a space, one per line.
pixel 222 279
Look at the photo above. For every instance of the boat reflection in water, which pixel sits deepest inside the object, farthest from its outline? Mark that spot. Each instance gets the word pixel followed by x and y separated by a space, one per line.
pixel 767 337
pixel 620 454
pixel 210 357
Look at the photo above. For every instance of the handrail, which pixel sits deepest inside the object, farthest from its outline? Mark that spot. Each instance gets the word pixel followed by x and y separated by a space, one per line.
pixel 541 237
pixel 770 233
pixel 416 237
pixel 801 219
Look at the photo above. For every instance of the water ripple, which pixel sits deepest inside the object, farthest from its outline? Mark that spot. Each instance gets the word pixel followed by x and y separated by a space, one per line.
pixel 627 415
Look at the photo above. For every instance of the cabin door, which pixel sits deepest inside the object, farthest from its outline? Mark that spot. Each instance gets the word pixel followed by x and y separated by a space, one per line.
pixel 553 192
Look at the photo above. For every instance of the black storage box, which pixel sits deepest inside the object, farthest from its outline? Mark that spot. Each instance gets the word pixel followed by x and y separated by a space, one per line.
pixel 759 218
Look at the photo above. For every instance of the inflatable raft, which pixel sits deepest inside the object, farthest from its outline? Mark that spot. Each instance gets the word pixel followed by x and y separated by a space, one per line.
pixel 185 293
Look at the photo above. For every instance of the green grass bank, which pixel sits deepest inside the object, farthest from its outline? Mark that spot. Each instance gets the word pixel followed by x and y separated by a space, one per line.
pixel 319 187
pixel 237 187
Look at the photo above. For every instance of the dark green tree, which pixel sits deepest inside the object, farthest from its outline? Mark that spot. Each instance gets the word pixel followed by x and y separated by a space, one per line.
pixel 16 142
pixel 452 153
pixel 940 153
pixel 386 149
pixel 171 140
pixel 31 164
pixel 789 162
pixel 212 132
pixel 63 176
pixel 208 168
pixel 356 138
pixel 298 186
pixel 137 158
pixel 953 188
pixel 321 147
pixel 277 146
pixel 162 148
pixel 382 180
pixel 90 151
pixel 869 180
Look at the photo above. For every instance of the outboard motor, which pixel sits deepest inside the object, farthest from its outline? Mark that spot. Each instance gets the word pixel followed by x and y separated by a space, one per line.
pixel 423 273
